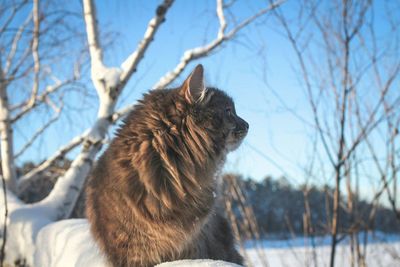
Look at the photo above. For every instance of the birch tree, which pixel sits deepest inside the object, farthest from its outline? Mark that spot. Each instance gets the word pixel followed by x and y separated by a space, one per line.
pixel 25 221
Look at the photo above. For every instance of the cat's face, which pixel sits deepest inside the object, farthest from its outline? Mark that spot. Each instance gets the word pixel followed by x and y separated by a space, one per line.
pixel 214 112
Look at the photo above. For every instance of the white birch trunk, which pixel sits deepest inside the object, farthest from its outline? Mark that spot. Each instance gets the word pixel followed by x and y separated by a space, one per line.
pixel 6 143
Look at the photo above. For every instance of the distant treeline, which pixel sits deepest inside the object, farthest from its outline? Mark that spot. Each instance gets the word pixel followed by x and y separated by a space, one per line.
pixel 280 208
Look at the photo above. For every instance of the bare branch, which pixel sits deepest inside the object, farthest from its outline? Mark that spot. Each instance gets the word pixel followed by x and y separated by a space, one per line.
pixel 14 45
pixel 35 52
pixel 221 18
pixel 202 51
pixel 306 76
pixel 371 122
pixel 250 19
pixel 10 18
pixel 130 64
pixel 28 106
pixel 12 74
pixel 37 134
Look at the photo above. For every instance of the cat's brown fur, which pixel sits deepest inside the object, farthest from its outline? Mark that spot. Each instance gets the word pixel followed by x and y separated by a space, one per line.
pixel 151 196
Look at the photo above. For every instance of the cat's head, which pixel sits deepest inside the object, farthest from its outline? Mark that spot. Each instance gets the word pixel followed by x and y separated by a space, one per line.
pixel 213 111
pixel 189 122
pixel 174 140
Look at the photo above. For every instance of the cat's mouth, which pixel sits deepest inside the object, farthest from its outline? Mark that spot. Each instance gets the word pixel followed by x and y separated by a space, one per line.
pixel 240 134
pixel 235 138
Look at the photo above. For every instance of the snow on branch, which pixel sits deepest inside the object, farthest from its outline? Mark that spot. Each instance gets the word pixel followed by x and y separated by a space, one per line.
pixel 61 200
pixel 108 84
pixel 130 64
pixel 48 163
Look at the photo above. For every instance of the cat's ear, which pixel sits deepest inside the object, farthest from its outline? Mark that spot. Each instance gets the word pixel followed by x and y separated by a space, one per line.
pixel 193 88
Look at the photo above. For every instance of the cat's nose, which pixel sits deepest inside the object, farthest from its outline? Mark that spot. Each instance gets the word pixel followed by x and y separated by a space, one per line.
pixel 246 125
pixel 242 125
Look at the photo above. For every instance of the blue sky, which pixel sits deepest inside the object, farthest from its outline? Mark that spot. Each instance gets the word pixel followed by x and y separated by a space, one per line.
pixel 258 69
pixel 238 69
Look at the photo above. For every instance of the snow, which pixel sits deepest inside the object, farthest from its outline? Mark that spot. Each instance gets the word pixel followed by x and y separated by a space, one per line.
pixel 377 255
pixel 20 228
pixel 372 237
pixel 69 243
pixel 26 222
pixel 12 203
pixel 382 250
pixel 111 76
pixel 199 263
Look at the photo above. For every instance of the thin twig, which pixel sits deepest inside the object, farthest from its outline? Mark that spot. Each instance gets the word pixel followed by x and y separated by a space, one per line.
pixel 27 107
pixel 15 10
pixel 15 42
pixel 36 135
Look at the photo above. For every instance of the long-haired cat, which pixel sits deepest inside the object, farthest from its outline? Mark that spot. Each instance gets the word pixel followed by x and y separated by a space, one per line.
pixel 151 197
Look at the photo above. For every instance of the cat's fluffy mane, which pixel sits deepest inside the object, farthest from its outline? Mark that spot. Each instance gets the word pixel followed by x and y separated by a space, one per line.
pixel 151 195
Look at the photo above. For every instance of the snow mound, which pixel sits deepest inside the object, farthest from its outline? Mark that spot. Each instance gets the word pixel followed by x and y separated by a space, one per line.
pixel 198 263
pixel 69 243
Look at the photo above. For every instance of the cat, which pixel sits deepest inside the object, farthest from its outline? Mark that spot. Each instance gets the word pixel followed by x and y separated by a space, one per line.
pixel 151 197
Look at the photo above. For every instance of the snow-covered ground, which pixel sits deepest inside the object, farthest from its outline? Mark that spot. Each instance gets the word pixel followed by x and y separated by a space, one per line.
pixel 378 255
pixel 382 251
pixel 69 243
